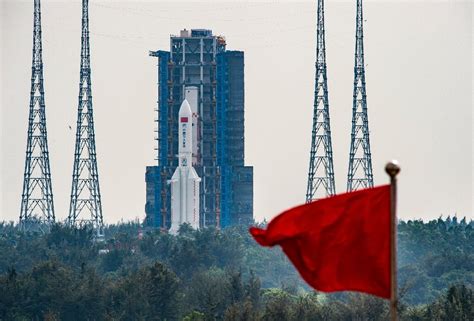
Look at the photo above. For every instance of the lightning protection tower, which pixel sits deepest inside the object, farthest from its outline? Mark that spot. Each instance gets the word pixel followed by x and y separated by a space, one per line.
pixel 85 192
pixel 321 169
pixel 360 161
pixel 37 197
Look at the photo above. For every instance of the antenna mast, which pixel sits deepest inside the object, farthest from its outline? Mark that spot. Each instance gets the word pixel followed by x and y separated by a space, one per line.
pixel 37 196
pixel 360 160
pixel 85 192
pixel 321 168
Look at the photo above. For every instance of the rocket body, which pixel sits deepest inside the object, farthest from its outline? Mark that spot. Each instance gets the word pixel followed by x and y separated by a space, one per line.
pixel 191 93
pixel 185 181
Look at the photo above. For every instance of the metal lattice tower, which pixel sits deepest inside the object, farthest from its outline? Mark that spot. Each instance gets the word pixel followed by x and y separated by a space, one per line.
pixel 37 197
pixel 360 161
pixel 85 192
pixel 321 169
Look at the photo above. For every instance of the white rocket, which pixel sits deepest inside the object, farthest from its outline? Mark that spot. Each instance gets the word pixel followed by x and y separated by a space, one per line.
pixel 185 181
pixel 191 95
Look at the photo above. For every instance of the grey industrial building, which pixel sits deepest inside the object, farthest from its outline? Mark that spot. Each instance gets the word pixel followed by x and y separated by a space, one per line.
pixel 199 58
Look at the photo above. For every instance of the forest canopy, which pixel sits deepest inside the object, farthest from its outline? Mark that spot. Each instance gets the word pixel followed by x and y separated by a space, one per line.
pixel 209 274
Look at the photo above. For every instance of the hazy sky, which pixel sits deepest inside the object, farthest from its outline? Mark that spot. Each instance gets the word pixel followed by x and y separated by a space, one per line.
pixel 419 86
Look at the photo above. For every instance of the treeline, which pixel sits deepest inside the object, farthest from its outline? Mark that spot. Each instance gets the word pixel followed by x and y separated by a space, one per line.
pixel 140 274
pixel 434 255
pixel 52 291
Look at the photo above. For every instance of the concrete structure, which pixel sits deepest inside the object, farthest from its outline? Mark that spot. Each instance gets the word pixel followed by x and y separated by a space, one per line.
pixel 198 65
pixel 185 181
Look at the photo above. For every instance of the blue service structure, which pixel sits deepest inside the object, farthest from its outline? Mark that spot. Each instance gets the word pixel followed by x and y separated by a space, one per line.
pixel 198 59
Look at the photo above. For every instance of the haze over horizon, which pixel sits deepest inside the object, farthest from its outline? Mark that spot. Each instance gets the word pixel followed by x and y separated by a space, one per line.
pixel 419 90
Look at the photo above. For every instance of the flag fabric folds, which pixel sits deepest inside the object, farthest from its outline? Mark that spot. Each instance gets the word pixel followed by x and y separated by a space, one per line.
pixel 340 243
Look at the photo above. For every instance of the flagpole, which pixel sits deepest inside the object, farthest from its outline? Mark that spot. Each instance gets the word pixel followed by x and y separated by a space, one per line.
pixel 392 168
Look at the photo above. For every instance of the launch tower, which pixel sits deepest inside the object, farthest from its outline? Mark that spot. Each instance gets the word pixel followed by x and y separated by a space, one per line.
pixel 198 63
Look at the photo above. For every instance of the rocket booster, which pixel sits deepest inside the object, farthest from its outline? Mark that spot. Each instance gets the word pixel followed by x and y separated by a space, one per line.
pixel 185 181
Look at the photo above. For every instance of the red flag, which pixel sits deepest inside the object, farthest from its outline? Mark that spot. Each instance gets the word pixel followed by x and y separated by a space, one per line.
pixel 341 243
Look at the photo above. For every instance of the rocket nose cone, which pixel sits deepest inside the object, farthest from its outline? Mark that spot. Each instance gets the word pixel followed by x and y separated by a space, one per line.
pixel 185 109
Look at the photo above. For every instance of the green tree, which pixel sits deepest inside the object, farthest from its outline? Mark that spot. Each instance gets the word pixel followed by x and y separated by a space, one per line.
pixel 162 289
pixel 277 305
pixel 459 303
pixel 209 293
pixel 307 308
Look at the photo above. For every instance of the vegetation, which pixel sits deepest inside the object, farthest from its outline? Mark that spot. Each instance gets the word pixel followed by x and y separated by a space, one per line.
pixel 208 274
